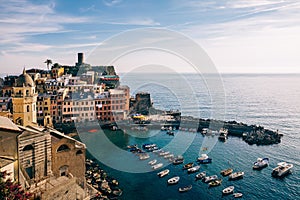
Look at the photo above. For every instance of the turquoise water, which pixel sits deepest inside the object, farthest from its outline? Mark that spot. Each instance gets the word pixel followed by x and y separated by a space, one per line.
pixel 268 100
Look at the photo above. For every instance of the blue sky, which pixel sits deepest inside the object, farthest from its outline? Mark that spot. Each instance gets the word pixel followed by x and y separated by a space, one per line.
pixel 256 36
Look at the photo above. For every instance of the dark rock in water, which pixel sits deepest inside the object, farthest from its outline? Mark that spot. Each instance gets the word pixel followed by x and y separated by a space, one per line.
pixel 254 134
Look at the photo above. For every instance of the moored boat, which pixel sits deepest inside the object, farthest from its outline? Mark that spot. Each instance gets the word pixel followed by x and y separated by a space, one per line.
pixel 215 183
pixel 204 159
pixel 144 156
pixel 173 180
pixel 194 169
pixel 188 165
pixel 223 134
pixel 282 169
pixel 164 153
pixel 226 172
pixel 237 195
pixel 208 179
pixel 185 189
pixel 157 166
pixel 170 132
pixel 201 175
pixel 178 160
pixel 261 163
pixel 228 190
pixel 236 175
pixel 163 173
pixel 152 162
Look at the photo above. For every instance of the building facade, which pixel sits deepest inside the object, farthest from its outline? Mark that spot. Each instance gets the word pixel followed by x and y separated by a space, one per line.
pixel 24 99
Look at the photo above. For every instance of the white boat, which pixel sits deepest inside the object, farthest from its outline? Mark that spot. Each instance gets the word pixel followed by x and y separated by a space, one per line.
pixel 282 169
pixel 194 169
pixel 210 178
pixel 237 195
pixel 169 156
pixel 236 175
pixel 164 153
pixel 163 173
pixel 201 175
pixel 152 162
pixel 144 156
pixel 157 166
pixel 261 163
pixel 204 159
pixel 185 189
pixel 173 180
pixel 228 190
pixel 223 134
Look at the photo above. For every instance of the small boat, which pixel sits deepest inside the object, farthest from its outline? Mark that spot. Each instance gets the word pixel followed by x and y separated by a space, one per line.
pixel 201 175
pixel 236 175
pixel 147 146
pixel 132 146
pixel 163 173
pixel 144 156
pixel 152 162
pixel 226 172
pixel 223 134
pixel 194 169
pixel 282 169
pixel 204 159
pixel 169 156
pixel 228 190
pixel 208 179
pixel 185 189
pixel 164 153
pixel 188 165
pixel 237 195
pixel 157 166
pixel 178 160
pixel 215 183
pixel 170 132
pixel 173 180
pixel 261 163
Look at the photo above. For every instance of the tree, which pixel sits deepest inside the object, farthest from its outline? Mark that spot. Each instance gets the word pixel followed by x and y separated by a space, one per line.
pixel 10 190
pixel 48 62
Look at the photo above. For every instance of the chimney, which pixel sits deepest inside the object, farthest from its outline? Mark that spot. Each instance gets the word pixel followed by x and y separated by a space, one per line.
pixel 80 58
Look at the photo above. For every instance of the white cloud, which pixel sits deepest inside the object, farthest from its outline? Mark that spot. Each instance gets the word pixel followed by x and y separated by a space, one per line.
pixel 111 2
pixel 137 22
pixel 20 19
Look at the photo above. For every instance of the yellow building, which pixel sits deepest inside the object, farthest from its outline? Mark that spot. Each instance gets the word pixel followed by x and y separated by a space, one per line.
pixel 44 110
pixel 24 99
pixel 57 72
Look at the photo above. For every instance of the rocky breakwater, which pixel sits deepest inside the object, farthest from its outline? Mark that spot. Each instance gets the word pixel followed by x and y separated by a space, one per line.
pixel 252 134
pixel 106 186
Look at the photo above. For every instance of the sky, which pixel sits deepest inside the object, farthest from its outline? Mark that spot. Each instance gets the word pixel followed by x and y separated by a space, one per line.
pixel 239 36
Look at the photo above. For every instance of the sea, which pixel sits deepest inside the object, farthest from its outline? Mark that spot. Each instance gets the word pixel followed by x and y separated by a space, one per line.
pixel 268 100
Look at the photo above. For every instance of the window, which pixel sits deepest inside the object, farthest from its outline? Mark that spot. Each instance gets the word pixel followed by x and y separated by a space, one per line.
pixel 63 148
pixel 64 170
pixel 28 110
pixel 79 152
pixel 28 147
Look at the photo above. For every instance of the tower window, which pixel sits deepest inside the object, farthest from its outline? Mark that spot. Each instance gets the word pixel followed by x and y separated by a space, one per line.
pixel 28 109
pixel 63 148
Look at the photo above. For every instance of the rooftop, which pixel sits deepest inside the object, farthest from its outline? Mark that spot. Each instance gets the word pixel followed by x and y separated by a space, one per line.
pixel 6 123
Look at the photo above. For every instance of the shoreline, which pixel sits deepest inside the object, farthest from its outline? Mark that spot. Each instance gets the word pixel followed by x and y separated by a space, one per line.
pixel 251 134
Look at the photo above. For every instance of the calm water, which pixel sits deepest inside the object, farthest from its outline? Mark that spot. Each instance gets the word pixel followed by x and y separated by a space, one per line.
pixel 268 100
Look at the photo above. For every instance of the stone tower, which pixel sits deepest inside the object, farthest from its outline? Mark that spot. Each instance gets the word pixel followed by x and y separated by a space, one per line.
pixel 24 100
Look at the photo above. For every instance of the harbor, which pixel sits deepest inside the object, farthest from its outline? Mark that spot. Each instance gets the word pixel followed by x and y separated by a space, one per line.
pixel 155 149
